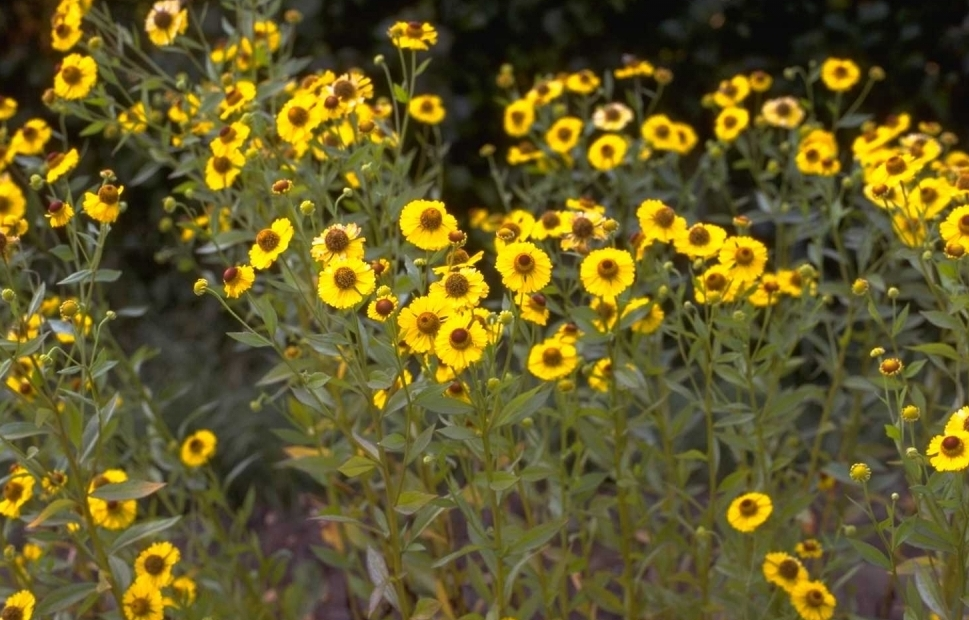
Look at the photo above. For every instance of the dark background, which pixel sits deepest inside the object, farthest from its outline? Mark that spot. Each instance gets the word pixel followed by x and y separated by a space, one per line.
pixel 923 47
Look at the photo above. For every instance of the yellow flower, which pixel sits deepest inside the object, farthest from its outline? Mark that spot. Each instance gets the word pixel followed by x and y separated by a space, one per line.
pixel 421 321
pixel 730 123
pixel 412 35
pixel 760 81
pixel 76 77
pixel 134 119
pixel 650 322
pixel 524 268
pixel 545 92
pixel 684 139
pixel 237 280
pixel 584 82
pixel 54 482
pixel 659 132
pixel 586 226
pixel 59 164
pixel 185 591
pixel 601 376
pixel 783 570
pixel 860 472
pixel 345 282
pixel 929 199
pixel 812 600
pixel 552 360
pixel 31 138
pixel 839 74
pixel 958 421
pixel 607 152
pixel 382 307
pixel 659 221
pixel 230 139
pixel 17 491
pixel 338 241
pixel 270 243
pixel 18 606
pixel 427 109
pixel 298 118
pixel 236 96
pixel 221 170
pixel 165 21
pixel 352 89
pixel 460 342
pixel 895 170
pixel 154 564
pixel 955 228
pixel 607 272
pixel 716 285
pixel 114 514
pixel 552 224
pixel 749 511
pixel 949 452
pixel 745 257
pixel 8 107
pixel 13 203
pixel 700 241
pixel 533 308
pixel 461 288
pixel 427 224
pixel 633 67
pixel 768 291
pixel 143 601
pixel 809 548
pixel 612 116
pixel 731 92
pixel 564 134
pixel 519 116
pixel 104 206
pixel 891 367
pixel 198 448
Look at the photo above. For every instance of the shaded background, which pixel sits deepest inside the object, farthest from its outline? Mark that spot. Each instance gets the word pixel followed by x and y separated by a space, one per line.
pixel 923 46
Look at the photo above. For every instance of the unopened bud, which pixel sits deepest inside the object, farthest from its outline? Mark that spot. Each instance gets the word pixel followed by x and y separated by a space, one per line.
pixel 876 74
pixel 36 181
pixel 859 287
pixel 565 386
pixel 494 383
pixel 505 317
pixel 876 352
pixel 307 207
pixel 911 413
pixel 892 293
pixel 68 309
pixel 487 150
pixel 169 204
pixel 111 315
pixel 378 59
pixel 201 285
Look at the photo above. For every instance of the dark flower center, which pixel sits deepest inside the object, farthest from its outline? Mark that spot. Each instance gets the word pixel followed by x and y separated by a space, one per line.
pixel 336 240
pixel 783 109
pixel 154 565
pixel 384 307
pixel 928 194
pixel 230 274
pixel 460 338
pixel 345 278
pixel 12 613
pixel 331 102
pixel 227 134
pixel 108 194
pixel 952 446
pixel 457 285
pixel 607 151
pixel 814 598
pixel 551 219
pixel 344 89
pixel 517 117
pixel 840 72
pixel 524 263
pixel 895 165
pixel 298 116
pixel 221 165
pixel 612 114
pixel 607 268
pixel 663 131
pixel 552 356
pixel 140 606
pixel 664 217
pixel 964 224
pixel 788 569
pixel 715 282
pixel 431 219
pixel 744 256
pixel 71 75
pixel 730 122
pixel 267 240
pixel 699 235
pixel 582 227
pixel 163 19
pixel 415 29
pixel 428 323
pixel 748 507
pixel 195 446
pixel 537 300
pixel 427 106
pixel 13 491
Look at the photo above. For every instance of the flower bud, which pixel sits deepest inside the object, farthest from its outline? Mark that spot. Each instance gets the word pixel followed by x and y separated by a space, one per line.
pixel 876 74
pixel 850 530
pixel 201 285
pixel 505 317
pixel 8 295
pixel 860 472
pixel 911 413
pixel 307 207
pixel 610 225
pixel 36 181
pixel 378 59
pixel 912 453
pixel 894 497
pixel 292 16
pixel 876 352
pixel 892 293
pixel 494 383
pixel 169 204
pixel 566 385
pixel 420 262
pixel 487 150
pixel 111 315
pixel 95 43
pixel 68 309
pixel 859 287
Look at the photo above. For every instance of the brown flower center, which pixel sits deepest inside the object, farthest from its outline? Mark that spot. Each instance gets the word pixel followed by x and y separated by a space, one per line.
pixel 457 285
pixel 108 194
pixel 606 311
pixel 551 219
pixel 6 203
pixel 583 228
pixel 12 613
pixel 384 307
pixel 552 356
pixel 455 388
pixel 427 106
pixel 140 607
pixel 928 194
pixel 29 133
pixel 812 155
pixel 564 134
pixel 663 131
pixel 840 72
pixel 331 102
pixel 227 134
pixel 230 274
pixel 415 29
pixel 783 109
pixel 234 96
pixel 748 507
pixel 788 569
pixel 345 278
pixel 770 287
pixel 524 263
pixel 195 446
pixel 612 114
pixel 607 268
pixel 744 256
pixel 952 446
pixel 71 75
pixel 163 20
pixel 336 240
pixel 730 121
pixel 298 116
pixel 344 89
pixel 895 165
pixel 538 301
pixel 63 30
pixel 962 183
pixel 268 240
pixel 715 282
pixel 155 564
pixel 428 323
pixel 699 235
pixel 13 491
pixel 964 224
pixel 460 338
pixel 431 219
pixel 607 151
pixel 814 598
pixel 221 165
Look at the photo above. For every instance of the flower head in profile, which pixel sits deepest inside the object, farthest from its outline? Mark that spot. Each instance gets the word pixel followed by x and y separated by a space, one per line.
pixel 345 282
pixel 383 306
pixel 270 243
pixel 16 492
pixel 412 35
pixel 59 164
pixel 18 606
pixel 198 448
pixel 105 205
pixel 166 20
pixel 155 564
pixel 427 224
pixel 809 548
pixel 700 241
pixel 237 280
pixel 839 74
pixel 748 512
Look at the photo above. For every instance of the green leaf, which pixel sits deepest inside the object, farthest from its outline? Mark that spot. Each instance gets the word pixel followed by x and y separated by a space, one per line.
pixel 522 406
pixel 501 480
pixel 129 489
pixel 893 432
pixel 53 508
pixel 936 348
pixel 142 530
pixel 19 430
pixel 537 536
pixel 871 554
pixel 927 582
pixel 400 94
pixel 253 340
pixel 356 466
pixel 63 598
pixel 426 608
pixel 410 502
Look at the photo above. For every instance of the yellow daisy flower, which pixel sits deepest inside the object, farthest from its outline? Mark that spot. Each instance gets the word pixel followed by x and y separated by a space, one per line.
pixel 760 81
pixel 607 151
pixel 270 243
pixel 767 291
pixel 633 67
pixel 745 257
pixel 717 284
pixel 199 447
pixel 949 452
pixel 839 74
pixel 533 308
pixel 221 170
pixel 519 117
pixel 345 282
pixel 749 511
pixel 460 342
pixel 13 203
pixel 166 20
pixel 813 601
pixel 564 134
pixel 461 288
pixel 700 241
pixel 59 164
pixel 143 601
pixel 412 35
pixel 381 308
pixel 955 227
pixel 76 77
pixel 732 92
pixel 731 122
pixel 338 241
pixel 650 322
pixel 783 570
pixel 524 268
pixel 552 224
pixel 421 320
pixel 583 82
pixel 659 132
pixel 552 360
pixel 427 109
pixel 31 138
pixel 19 606
pixel 607 272
pixel 659 221
pixel 298 118
pixel 104 206
pixel 236 97
pixel 958 421
pixel 8 107
pixel 17 491
pixel 427 224
pixel 237 280
pixel 185 591
pixel 601 376
pixel 155 564
pixel 612 116
pixel 809 548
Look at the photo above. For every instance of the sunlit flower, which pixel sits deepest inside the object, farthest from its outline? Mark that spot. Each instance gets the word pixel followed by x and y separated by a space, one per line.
pixel 105 205
pixel 270 243
pixel 59 164
pixel 955 227
pixel 412 35
pixel 732 92
pixel 298 118
pixel 659 221
pixel 197 449
pixel 700 240
pixel 950 451
pixel 421 320
pixel 730 123
pixel 427 109
pixel 18 606
pixel 345 282
pixel 31 138
pixel 651 321
pixel 633 67
pixel 659 132
pixel 462 288
pixel 166 20
pixel 749 511
pixel 143 601
pixel 338 241
pixel 519 116
pixel 607 151
pixel 155 564
pixel 813 601
pixel 783 570
pixel 236 96
pixel 607 272
pixel 552 360
pixel 427 224
pixel 564 134
pixel 524 268
pixel 809 548
pixel 533 308
pixel 612 116
pixel 839 74
pixel 221 170
pixel 76 77
pixel 17 491
pixel 745 257
pixel 460 342
pixel 381 308
pixel 583 82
